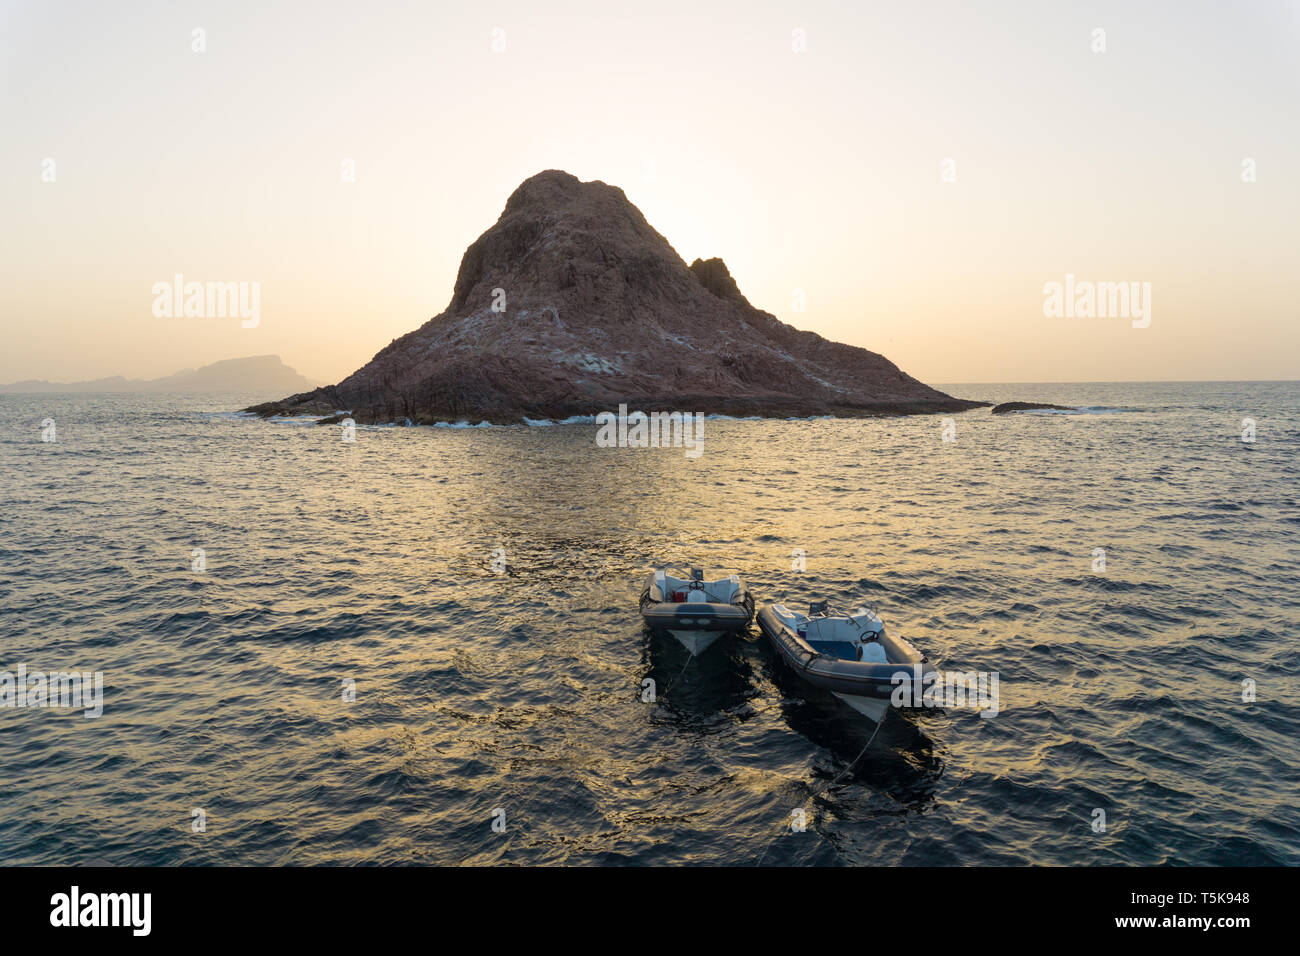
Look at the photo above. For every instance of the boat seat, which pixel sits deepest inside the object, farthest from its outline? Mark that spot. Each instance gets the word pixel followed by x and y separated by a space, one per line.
pixel 831 629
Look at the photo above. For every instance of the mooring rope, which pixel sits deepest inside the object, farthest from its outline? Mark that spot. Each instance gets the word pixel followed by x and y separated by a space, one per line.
pixel 689 658
pixel 816 793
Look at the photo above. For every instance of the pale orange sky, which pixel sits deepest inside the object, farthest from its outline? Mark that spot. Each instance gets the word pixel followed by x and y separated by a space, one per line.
pixel 816 170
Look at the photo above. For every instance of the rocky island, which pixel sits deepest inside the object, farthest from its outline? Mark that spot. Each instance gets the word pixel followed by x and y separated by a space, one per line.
pixel 572 304
pixel 1007 407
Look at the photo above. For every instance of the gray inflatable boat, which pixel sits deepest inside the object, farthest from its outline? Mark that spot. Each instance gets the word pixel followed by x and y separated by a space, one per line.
pixel 825 647
pixel 695 611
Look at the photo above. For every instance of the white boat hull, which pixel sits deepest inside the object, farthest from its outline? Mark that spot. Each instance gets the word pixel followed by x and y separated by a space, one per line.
pixel 872 707
pixel 696 641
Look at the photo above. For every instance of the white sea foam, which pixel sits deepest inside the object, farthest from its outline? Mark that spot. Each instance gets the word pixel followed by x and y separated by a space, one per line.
pixel 294 419
pixel 571 420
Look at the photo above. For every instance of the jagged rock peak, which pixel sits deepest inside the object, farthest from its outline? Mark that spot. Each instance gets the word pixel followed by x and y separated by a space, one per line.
pixel 716 277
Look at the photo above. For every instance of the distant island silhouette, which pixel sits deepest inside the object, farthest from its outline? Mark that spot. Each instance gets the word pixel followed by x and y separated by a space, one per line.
pixel 572 304
pixel 256 373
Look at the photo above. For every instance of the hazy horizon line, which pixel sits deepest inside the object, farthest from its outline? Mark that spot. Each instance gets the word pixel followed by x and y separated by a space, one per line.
pixel 940 385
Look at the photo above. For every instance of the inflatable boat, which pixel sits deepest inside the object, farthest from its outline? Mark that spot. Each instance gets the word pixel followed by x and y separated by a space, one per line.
pixel 695 611
pixel 826 648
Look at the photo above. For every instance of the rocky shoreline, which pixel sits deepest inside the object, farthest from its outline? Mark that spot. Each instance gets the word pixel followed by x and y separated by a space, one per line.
pixel 326 402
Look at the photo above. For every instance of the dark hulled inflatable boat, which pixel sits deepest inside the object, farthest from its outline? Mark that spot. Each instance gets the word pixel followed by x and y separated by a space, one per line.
pixel 825 647
pixel 695 611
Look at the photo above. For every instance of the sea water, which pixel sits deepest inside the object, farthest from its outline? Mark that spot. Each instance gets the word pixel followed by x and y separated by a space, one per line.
pixel 423 646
